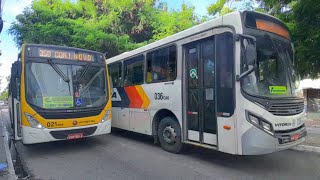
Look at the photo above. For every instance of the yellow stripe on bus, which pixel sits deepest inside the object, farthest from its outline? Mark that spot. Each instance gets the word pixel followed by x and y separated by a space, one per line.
pixel 143 96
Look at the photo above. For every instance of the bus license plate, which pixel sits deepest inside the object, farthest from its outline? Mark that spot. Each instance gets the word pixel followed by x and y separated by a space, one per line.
pixel 75 136
pixel 295 137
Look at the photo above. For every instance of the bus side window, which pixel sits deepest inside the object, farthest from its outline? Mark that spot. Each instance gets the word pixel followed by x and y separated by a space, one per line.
pixel 115 71
pixel 161 65
pixel 133 71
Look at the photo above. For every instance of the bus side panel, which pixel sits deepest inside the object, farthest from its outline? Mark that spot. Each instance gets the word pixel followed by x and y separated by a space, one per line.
pixel 120 118
pixel 165 95
pixel 140 121
pixel 134 107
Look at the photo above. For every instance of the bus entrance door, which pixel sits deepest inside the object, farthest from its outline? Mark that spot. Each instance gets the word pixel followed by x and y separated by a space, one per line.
pixel 200 78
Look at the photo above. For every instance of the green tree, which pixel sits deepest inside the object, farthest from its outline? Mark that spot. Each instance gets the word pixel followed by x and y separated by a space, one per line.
pixel 4 95
pixel 221 7
pixel 166 23
pixel 304 23
pixel 81 24
pixel 112 26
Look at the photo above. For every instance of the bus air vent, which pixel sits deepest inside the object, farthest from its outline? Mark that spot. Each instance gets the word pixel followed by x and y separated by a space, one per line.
pixel 286 109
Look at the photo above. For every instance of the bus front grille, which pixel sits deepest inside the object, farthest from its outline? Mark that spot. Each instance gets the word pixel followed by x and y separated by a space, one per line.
pixel 286 109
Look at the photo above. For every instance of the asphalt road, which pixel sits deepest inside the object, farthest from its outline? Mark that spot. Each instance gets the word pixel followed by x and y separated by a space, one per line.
pixel 124 155
pixel 4 116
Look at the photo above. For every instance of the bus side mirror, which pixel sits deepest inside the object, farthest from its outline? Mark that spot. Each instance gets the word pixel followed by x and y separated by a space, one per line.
pixel 15 79
pixel 16 69
pixel 251 55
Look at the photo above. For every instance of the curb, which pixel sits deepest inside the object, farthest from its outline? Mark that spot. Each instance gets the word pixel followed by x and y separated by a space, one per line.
pixel 313 126
pixel 306 148
pixel 12 174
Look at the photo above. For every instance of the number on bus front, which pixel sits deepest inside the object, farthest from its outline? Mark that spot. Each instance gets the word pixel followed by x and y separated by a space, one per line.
pixel 52 124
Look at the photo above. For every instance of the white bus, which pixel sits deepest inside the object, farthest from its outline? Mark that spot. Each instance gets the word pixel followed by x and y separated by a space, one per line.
pixel 228 84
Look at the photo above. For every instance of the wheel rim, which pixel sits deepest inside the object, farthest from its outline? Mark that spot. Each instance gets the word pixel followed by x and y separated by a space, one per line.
pixel 169 135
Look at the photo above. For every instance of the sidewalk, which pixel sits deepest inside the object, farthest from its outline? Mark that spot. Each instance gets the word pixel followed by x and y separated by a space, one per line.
pixel 312 142
pixel 312 123
pixel 313 136
pixel 6 165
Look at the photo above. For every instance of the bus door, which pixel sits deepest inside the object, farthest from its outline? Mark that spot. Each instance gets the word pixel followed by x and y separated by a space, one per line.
pixel 14 100
pixel 200 78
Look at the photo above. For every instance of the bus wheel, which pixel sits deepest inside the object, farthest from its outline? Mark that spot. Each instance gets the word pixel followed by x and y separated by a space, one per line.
pixel 169 134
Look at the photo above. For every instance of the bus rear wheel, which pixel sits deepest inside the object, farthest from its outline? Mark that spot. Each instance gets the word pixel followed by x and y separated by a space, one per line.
pixel 169 133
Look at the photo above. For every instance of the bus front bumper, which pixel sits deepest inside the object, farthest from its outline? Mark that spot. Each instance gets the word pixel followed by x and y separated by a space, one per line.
pixel 256 141
pixel 35 135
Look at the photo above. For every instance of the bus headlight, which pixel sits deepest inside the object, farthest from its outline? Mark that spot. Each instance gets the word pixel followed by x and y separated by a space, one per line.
pixel 106 116
pixel 33 122
pixel 260 123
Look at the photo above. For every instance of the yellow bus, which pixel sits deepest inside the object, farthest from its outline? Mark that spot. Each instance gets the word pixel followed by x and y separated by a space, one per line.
pixel 59 93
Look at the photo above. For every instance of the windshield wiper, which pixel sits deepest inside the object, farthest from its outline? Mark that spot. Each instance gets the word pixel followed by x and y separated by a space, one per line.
pixel 58 70
pixel 84 72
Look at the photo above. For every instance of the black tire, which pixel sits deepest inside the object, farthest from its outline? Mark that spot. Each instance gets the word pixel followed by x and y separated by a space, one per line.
pixel 174 143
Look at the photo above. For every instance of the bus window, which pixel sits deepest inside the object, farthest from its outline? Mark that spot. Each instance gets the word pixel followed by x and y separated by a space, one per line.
pixel 225 74
pixel 115 73
pixel 161 65
pixel 133 71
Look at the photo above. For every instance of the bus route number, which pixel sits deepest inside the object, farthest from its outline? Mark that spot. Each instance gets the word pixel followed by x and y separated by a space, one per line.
pixel 160 96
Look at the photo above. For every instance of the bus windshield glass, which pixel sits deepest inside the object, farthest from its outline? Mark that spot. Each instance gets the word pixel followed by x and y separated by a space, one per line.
pixel 274 74
pixel 60 86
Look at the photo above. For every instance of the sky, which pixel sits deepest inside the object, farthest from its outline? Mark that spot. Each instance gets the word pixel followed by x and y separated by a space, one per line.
pixel 12 8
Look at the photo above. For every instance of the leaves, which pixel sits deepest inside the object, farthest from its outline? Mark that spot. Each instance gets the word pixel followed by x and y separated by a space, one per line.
pixel 166 23
pixel 305 28
pixel 112 26
pixel 4 95
pixel 216 7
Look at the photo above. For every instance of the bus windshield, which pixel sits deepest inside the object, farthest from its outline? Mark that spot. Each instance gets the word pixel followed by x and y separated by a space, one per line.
pixel 274 74
pixel 60 86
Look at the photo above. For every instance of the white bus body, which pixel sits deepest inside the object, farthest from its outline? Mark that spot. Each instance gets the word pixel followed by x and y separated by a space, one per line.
pixel 204 99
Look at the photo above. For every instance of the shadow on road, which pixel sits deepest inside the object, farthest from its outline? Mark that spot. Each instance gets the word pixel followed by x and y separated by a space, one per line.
pixel 289 160
pixel 54 147
pixel 201 160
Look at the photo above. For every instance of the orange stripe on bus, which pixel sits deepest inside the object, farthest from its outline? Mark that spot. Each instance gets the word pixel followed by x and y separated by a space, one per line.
pixel 135 99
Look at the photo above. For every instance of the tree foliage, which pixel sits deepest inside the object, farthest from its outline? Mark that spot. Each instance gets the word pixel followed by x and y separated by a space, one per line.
pixel 222 7
pixel 4 95
pixel 167 23
pixel 111 26
pixel 303 20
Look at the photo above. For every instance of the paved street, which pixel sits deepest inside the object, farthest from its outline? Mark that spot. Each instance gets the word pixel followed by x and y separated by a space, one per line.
pixel 124 155
pixel 4 116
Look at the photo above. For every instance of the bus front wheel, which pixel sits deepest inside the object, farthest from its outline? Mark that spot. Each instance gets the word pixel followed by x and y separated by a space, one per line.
pixel 169 133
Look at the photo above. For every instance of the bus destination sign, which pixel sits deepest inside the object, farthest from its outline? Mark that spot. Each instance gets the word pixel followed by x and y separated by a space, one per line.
pixel 60 54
